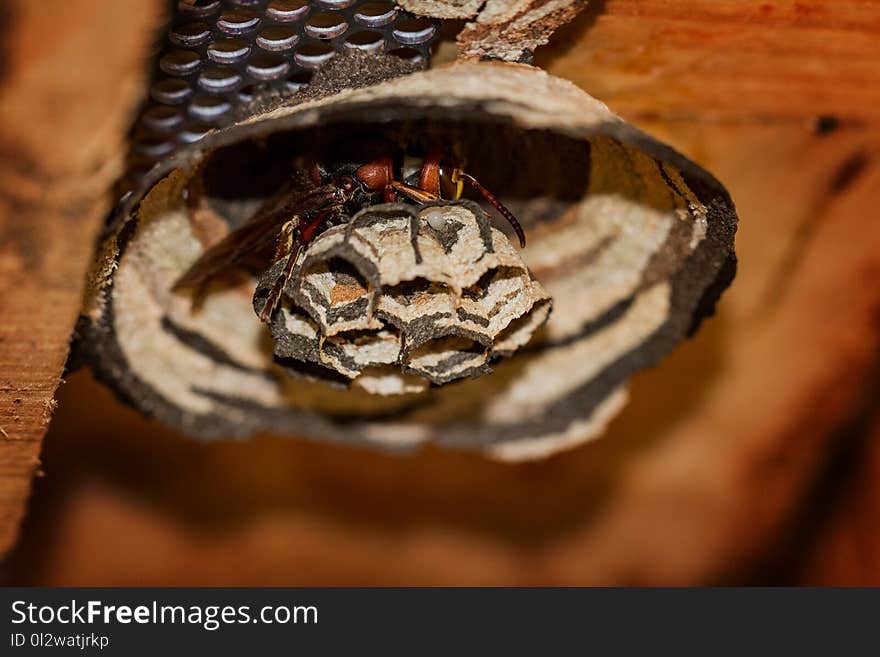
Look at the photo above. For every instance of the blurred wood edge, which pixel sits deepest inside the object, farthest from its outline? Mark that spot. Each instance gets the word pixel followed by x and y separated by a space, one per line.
pixel 843 546
pixel 72 72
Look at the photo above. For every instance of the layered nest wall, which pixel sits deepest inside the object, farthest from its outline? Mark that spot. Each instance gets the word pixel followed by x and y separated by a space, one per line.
pixel 632 242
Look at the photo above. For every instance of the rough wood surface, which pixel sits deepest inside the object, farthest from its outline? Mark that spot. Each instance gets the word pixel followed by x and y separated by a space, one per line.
pixel 70 77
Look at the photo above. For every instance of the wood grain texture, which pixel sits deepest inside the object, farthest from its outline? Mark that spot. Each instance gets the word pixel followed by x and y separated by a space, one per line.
pixel 71 75
pixel 726 61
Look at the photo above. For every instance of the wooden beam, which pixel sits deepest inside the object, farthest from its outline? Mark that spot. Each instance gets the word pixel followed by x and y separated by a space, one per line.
pixel 726 60
pixel 72 74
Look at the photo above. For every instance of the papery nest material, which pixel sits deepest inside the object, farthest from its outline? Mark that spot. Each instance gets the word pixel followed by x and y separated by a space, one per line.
pixel 633 242
pixel 508 30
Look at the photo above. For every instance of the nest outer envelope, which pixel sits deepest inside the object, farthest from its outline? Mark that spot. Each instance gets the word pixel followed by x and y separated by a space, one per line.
pixel 633 241
pixel 508 30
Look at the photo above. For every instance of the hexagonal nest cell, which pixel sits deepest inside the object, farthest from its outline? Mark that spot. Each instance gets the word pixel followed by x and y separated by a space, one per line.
pixel 217 57
pixel 402 298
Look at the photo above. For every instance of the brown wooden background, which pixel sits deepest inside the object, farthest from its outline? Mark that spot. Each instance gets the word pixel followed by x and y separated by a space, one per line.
pixel 752 455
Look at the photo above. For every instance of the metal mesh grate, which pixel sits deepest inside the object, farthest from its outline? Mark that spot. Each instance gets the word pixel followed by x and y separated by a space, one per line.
pixel 218 55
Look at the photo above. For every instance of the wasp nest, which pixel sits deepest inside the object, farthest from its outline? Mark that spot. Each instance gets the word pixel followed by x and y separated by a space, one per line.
pixel 399 299
pixel 633 242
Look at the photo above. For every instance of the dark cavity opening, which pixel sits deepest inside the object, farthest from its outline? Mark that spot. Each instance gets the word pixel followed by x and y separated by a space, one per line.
pixel 536 173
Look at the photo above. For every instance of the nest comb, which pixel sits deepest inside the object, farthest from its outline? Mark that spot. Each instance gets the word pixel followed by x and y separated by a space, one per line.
pixel 400 299
pixel 217 57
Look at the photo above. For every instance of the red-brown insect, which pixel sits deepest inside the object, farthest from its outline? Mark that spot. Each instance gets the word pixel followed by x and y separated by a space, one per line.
pixel 291 220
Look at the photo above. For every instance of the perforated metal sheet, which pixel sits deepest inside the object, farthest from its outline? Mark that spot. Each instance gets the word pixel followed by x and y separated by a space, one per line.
pixel 218 55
